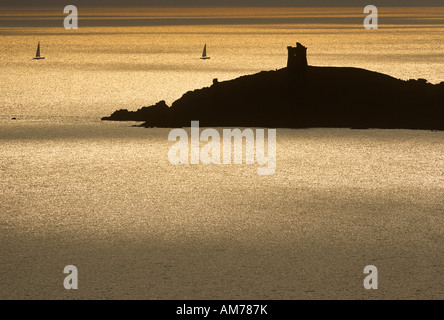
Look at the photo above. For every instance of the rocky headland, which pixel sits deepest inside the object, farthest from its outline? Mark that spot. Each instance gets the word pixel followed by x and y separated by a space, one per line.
pixel 303 96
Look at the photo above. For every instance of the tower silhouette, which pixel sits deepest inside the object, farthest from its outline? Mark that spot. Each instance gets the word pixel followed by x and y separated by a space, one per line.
pixel 297 57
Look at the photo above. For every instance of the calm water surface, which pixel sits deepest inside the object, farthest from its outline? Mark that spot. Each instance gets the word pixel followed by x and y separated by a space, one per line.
pixel 104 197
pixel 110 63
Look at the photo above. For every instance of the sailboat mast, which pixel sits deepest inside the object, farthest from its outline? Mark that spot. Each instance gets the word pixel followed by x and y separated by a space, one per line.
pixel 204 53
pixel 38 51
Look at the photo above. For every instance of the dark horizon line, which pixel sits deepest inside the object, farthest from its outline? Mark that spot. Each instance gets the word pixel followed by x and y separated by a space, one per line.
pixel 226 6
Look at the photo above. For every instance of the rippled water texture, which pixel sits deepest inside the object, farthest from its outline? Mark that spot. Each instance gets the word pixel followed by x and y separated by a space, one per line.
pixel 128 59
pixel 104 197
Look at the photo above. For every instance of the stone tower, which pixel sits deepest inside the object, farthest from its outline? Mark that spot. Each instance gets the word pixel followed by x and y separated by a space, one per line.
pixel 297 57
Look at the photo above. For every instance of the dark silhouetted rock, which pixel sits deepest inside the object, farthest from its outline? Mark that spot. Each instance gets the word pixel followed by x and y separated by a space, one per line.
pixel 303 96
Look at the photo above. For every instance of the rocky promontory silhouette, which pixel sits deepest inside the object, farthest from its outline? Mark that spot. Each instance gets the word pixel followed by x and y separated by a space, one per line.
pixel 303 96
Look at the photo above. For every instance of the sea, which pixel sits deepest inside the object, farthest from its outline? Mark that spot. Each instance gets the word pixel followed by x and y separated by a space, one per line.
pixel 104 197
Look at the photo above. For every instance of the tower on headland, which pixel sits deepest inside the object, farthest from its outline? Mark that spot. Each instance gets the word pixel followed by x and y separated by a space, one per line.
pixel 297 57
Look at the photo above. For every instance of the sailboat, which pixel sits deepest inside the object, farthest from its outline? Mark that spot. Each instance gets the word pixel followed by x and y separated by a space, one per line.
pixel 37 54
pixel 204 53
